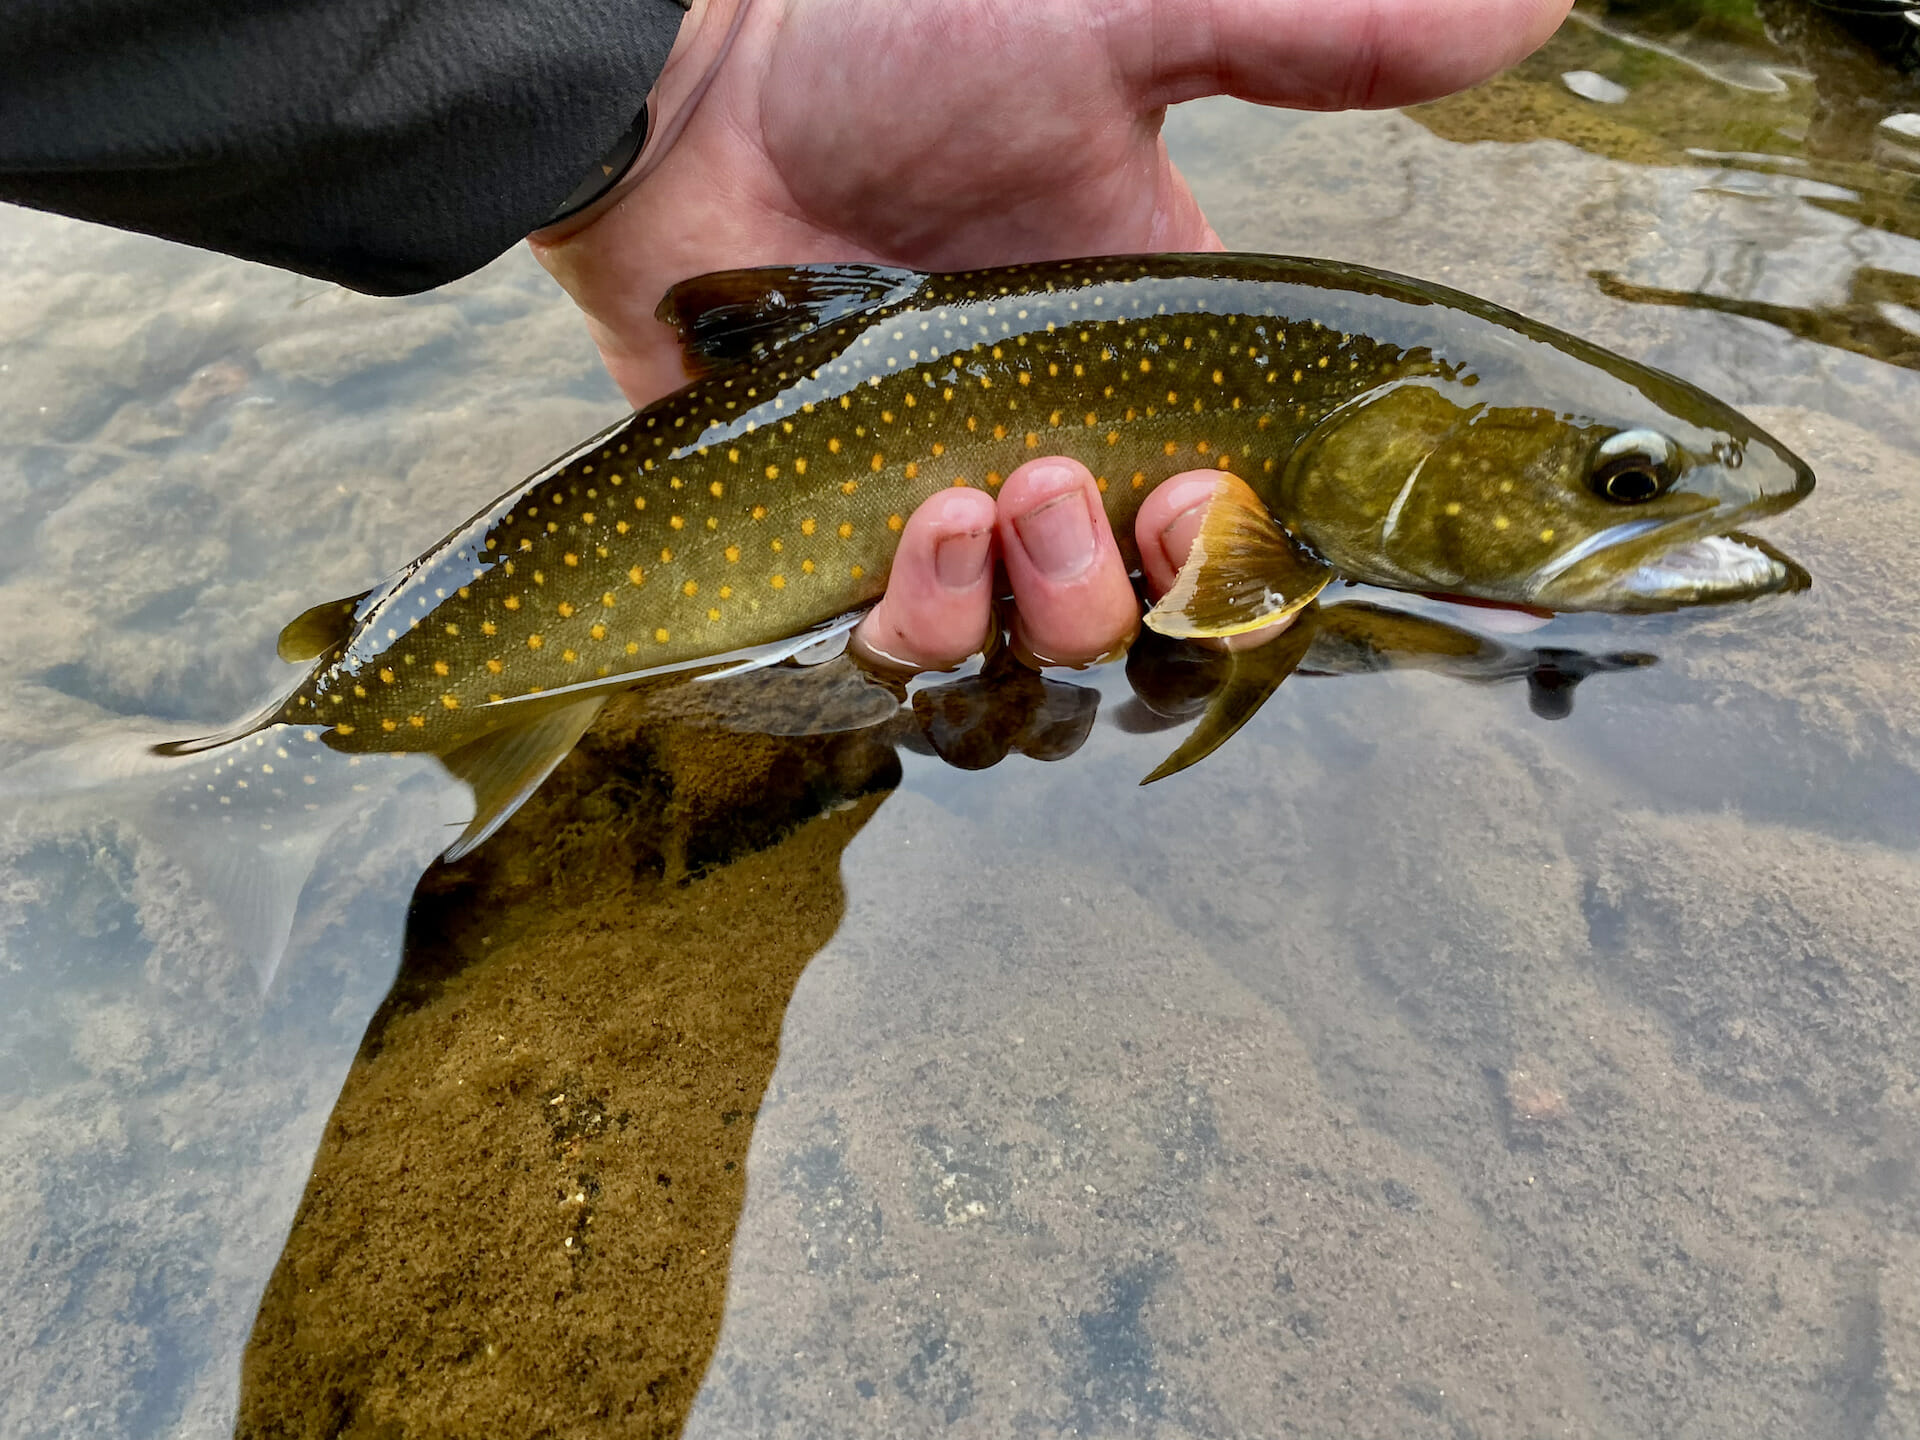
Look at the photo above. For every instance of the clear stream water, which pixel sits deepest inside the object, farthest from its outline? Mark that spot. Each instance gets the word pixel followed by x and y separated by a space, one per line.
pixel 1417 1066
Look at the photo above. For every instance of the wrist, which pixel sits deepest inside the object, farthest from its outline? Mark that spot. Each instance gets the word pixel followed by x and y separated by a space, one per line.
pixel 699 47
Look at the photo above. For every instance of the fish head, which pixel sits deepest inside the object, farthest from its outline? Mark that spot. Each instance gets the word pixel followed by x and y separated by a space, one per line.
pixel 1605 497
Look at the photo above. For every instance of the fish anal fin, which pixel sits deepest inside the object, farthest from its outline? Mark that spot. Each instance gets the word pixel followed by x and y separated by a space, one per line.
pixel 735 315
pixel 1243 572
pixel 505 766
pixel 1251 679
pixel 312 633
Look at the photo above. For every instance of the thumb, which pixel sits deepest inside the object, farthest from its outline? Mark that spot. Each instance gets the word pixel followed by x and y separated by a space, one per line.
pixel 1320 54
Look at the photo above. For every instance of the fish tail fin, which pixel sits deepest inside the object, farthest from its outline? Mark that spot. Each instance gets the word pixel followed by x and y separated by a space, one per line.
pixel 252 884
pixel 250 864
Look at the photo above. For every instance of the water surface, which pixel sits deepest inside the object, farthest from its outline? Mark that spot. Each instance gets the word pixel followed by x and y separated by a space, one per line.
pixel 1416 1066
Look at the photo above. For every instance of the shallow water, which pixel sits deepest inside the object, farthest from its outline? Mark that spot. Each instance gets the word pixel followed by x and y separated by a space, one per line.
pixel 1415 1066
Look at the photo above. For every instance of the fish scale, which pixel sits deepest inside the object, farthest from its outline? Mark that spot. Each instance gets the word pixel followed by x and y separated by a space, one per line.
pixel 751 506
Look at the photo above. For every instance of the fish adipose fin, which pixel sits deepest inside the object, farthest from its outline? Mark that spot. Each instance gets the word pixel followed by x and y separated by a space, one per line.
pixel 1253 677
pixel 312 633
pixel 735 315
pixel 506 766
pixel 1244 571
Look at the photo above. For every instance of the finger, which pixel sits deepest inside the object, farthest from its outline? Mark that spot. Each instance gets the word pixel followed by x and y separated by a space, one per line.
pixel 1321 54
pixel 940 592
pixel 1165 529
pixel 1075 604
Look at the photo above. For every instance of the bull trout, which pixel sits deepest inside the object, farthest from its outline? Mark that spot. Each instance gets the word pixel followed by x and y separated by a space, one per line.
pixel 1394 432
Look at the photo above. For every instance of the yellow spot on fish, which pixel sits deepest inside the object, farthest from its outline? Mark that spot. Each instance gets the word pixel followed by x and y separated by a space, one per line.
pixel 759 512
pixel 1033 440
pixel 1453 507
pixel 598 632
pixel 1170 447
pixel 569 656
pixel 494 667
pixel 633 647
pixel 779 582
pixel 607 599
pixel 660 636
pixel 639 502
pixel 1546 536
pixel 773 472
pixel 692 587
pixel 939 449
pixel 800 466
pixel 806 567
pixel 877 462
pixel 452 702
pixel 341 729
pixel 806 526
pixel 733 554
pixel 894 522
pixel 856 572
pixel 453 629
pixel 512 602
pixel 1146 365
pixel 846 530
pixel 678 522
pixel 847 487
pixel 913 471
pixel 716 489
pixel 526 544
pixel 566 610
pixel 621 526
pixel 726 592
pixel 386 677
pixel 534 642
pixel 439 667
pixel 1500 522
pixel 778 546
pixel 734 457
pixel 389 724
pixel 1139 479
pixel 569 559
pixel 833 445
pixel 1202 447
pixel 666 556
pixel 419 722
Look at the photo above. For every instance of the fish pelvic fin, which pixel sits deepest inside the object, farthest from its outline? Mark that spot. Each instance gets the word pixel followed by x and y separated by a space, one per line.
pixel 1250 682
pixel 505 766
pixel 1244 571
pixel 736 315
pixel 313 633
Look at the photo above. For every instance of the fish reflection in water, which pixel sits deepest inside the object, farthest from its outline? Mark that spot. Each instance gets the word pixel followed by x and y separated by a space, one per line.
pixel 1007 709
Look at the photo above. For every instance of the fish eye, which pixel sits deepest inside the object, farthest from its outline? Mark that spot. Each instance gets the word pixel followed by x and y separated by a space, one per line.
pixel 1633 467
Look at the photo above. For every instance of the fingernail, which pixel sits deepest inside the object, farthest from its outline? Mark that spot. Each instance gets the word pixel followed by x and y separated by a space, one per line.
pixel 960 560
pixel 1181 531
pixel 1058 536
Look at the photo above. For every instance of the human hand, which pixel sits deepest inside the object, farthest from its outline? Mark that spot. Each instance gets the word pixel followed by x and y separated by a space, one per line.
pixel 942 136
pixel 1073 601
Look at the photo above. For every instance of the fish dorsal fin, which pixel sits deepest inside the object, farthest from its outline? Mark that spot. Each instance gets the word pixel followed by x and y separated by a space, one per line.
pixel 1250 681
pixel 506 766
pixel 312 633
pixel 1244 571
pixel 735 315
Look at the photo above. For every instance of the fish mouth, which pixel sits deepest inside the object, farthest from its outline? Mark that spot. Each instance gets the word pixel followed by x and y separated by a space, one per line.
pixel 1686 570
pixel 1733 566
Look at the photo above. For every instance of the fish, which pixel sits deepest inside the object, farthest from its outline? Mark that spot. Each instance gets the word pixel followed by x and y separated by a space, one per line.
pixel 1388 431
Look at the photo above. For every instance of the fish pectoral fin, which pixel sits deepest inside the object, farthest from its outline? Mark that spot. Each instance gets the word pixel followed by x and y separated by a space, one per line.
pixel 505 766
pixel 1244 571
pixel 1250 681
pixel 735 315
pixel 312 633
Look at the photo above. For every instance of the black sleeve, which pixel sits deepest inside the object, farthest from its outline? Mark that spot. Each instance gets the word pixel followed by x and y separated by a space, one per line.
pixel 389 145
